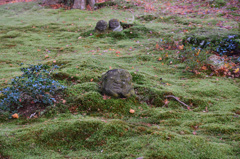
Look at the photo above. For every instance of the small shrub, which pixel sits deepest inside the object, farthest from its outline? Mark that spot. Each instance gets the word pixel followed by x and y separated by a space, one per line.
pixel 195 58
pixel 34 86
pixel 228 45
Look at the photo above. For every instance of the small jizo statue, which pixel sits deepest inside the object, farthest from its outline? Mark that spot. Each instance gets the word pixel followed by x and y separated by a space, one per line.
pixel 117 83
pixel 115 25
pixel 101 26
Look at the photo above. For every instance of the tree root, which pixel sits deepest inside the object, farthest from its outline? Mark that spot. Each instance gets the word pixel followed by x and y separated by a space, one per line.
pixel 177 99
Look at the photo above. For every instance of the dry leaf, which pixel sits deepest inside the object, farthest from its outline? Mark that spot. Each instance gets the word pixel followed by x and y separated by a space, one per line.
pixel 166 102
pixel 131 111
pixel 180 47
pixel 15 116
pixel 204 68
pixel 236 70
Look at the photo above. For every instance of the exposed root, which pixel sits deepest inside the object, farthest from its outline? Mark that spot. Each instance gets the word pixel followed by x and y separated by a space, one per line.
pixel 177 99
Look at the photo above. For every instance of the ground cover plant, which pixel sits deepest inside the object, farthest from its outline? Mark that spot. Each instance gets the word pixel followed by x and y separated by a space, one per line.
pixel 87 124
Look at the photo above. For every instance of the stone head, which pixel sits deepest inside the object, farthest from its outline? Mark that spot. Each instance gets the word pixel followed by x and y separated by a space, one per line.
pixel 117 83
pixel 101 25
pixel 114 23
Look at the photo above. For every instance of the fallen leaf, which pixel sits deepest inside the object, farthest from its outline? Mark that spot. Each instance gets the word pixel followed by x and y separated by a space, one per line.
pixel 15 116
pixel 166 101
pixel 236 70
pixel 204 68
pixel 131 111
pixel 159 59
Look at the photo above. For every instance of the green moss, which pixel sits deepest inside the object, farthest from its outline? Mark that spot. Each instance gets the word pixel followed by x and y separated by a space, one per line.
pixel 28 32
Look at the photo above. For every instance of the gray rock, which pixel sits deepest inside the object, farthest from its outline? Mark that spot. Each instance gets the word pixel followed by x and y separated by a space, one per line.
pixel 216 62
pixel 117 83
pixel 115 25
pixel 101 26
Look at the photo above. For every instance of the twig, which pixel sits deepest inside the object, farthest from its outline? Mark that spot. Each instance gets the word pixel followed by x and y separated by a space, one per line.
pixel 171 96
pixel 32 115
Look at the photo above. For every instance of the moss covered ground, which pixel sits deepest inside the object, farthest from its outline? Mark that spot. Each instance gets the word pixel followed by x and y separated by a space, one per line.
pixel 87 124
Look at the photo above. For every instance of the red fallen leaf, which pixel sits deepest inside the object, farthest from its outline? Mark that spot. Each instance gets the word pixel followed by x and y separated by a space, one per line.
pixel 157 46
pixel 20 100
pixel 204 67
pixel 166 102
pixel 105 97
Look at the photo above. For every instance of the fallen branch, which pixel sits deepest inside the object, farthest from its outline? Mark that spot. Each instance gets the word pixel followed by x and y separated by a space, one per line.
pixel 177 99
pixel 32 115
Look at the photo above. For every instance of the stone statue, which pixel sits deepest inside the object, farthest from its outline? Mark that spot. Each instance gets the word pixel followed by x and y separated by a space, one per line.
pixel 115 25
pixel 101 26
pixel 117 83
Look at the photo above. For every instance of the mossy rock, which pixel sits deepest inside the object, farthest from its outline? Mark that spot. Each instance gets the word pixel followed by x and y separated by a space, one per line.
pixel 101 26
pixel 117 83
pixel 129 31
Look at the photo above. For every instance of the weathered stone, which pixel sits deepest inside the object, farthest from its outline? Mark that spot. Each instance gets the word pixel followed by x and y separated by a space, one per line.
pixel 115 25
pixel 117 83
pixel 101 26
pixel 216 62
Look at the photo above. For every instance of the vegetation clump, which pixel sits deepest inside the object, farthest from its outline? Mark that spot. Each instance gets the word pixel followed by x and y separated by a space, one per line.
pixel 33 87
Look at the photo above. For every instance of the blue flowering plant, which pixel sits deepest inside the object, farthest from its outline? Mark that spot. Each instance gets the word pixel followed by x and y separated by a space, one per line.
pixel 34 87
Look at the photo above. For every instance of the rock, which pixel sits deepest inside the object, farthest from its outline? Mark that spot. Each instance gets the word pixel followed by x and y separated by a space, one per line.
pixel 115 25
pixel 117 83
pixel 216 62
pixel 101 26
